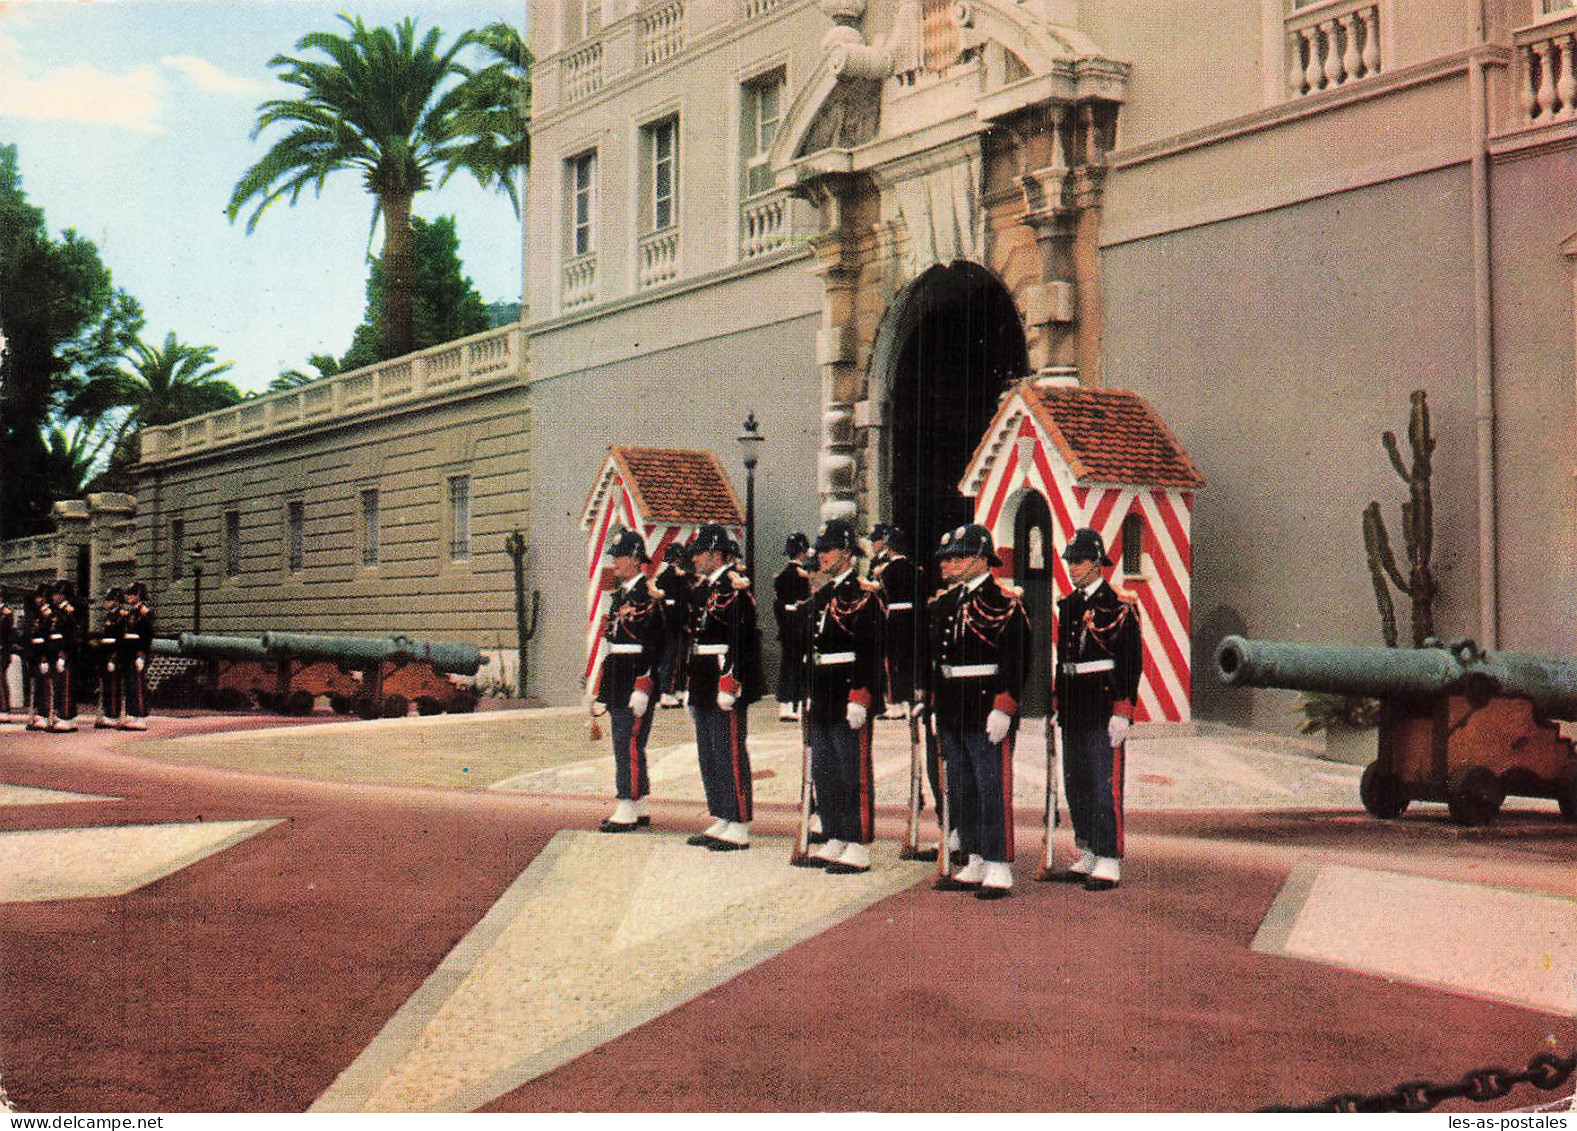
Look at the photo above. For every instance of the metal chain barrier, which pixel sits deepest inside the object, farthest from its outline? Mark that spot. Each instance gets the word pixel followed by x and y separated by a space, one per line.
pixel 1545 1071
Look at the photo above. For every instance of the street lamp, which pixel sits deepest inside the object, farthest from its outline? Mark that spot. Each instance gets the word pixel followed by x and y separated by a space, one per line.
pixel 195 556
pixel 750 447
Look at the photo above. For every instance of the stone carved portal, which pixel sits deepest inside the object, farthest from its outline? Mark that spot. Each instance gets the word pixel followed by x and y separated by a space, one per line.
pixel 952 345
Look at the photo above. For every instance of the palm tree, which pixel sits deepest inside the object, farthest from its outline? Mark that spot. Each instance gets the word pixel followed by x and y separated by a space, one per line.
pixel 71 457
pixel 399 111
pixel 326 366
pixel 165 384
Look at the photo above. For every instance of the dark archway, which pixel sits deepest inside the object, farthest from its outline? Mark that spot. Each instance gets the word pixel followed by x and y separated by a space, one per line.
pixel 952 346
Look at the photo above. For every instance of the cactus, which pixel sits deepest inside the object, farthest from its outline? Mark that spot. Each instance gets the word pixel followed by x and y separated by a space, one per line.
pixel 1418 533
pixel 525 626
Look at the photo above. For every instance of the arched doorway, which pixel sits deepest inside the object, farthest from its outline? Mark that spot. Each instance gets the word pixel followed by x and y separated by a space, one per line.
pixel 1032 572
pixel 952 344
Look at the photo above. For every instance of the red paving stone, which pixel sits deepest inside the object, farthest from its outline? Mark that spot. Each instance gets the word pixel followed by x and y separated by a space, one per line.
pixel 250 979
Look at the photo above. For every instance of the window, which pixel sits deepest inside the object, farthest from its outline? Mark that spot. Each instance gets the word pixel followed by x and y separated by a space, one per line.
pixel 369 527
pixel 583 189
pixel 460 518
pixel 177 549
pixel 295 535
pixel 232 543
pixel 662 162
pixel 763 112
pixel 1133 545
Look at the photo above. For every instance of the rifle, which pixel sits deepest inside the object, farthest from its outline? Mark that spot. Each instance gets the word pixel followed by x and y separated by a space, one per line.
pixel 800 857
pixel 1053 765
pixel 911 840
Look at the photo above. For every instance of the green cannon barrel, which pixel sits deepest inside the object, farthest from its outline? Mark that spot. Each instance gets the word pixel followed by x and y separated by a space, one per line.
pixel 444 656
pixel 1400 673
pixel 210 646
pixel 164 646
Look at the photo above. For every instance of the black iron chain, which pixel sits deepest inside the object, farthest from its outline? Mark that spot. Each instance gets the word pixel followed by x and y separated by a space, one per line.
pixel 1545 1071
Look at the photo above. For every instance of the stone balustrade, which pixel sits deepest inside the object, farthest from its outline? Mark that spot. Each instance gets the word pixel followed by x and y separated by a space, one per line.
pixel 1546 71
pixel 659 257
pixel 582 72
pixel 580 281
pixel 455 365
pixel 763 224
pixel 662 32
pixel 1332 44
pixel 24 555
pixel 756 9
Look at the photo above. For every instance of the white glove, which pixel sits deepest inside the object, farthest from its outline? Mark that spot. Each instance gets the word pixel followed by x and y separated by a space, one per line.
pixel 997 725
pixel 725 700
pixel 639 701
pixel 917 709
pixel 1117 729
pixel 856 714
pixel 141 663
pixel 598 708
pixel 110 667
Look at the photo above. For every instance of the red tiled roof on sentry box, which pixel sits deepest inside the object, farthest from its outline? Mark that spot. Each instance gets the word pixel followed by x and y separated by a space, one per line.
pixel 1111 436
pixel 672 485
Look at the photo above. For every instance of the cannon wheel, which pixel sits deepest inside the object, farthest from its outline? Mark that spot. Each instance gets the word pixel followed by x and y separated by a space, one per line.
pixel 1566 791
pixel 1382 792
pixel 1474 796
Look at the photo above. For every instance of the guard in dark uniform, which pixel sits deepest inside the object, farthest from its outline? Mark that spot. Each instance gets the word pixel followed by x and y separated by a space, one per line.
pixel 845 694
pixel 674 584
pixel 65 640
pixel 1100 658
pixel 790 591
pixel 979 640
pixel 136 648
pixel 106 651
pixel 896 573
pixel 627 689
pixel 725 678
pixel 39 679
pixel 7 645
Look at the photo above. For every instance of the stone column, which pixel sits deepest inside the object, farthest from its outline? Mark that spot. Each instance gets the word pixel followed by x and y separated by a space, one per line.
pixel 839 271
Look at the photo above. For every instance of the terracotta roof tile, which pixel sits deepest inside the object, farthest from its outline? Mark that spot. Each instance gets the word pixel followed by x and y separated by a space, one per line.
pixel 672 485
pixel 1112 436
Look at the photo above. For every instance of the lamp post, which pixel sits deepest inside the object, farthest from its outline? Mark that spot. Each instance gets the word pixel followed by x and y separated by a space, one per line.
pixel 195 556
pixel 750 447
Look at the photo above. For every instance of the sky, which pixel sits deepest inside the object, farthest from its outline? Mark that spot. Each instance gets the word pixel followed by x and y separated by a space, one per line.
pixel 132 121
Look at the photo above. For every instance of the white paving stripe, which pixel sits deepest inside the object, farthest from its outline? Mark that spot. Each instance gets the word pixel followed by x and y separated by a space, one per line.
pixel 1506 945
pixel 600 934
pixel 80 863
pixel 34 795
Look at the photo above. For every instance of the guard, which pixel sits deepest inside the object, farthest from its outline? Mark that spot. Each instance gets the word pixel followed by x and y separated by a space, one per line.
pixel 790 590
pixel 1100 657
pixel 40 682
pixel 979 637
pixel 724 679
pixel 7 644
pixel 896 573
pixel 107 650
pixel 845 695
pixel 634 632
pixel 136 646
pixel 64 640
pixel 674 584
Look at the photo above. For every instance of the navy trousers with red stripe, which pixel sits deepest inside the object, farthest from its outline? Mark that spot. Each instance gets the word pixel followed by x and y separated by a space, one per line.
pixel 725 761
pixel 1093 771
pixel 629 750
pixel 980 791
pixel 840 766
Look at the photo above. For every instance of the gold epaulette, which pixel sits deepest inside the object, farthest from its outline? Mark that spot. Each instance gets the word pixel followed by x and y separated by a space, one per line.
pixel 739 580
pixel 1013 591
pixel 1126 596
pixel 870 586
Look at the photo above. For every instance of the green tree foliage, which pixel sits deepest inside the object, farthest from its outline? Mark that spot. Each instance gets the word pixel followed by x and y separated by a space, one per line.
pixel 400 111
pixel 447 305
pixel 63 322
pixel 325 365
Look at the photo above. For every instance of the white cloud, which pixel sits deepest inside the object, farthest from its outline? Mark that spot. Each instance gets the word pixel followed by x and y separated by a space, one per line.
pixel 82 93
pixel 205 76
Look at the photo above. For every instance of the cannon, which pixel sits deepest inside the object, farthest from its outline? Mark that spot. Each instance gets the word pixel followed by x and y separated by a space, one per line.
pixel 1458 725
pixel 371 676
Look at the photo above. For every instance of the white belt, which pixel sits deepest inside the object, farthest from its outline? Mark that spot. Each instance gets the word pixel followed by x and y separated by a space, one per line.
pixel 824 658
pixel 967 671
pixel 56 636
pixel 132 636
pixel 1087 666
pixel 625 649
pixel 897 605
pixel 710 650
pixel 670 601
pixel 107 640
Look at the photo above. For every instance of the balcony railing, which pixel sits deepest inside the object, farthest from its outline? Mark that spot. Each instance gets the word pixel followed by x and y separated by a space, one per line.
pixel 763 224
pixel 21 555
pixel 453 365
pixel 1331 45
pixel 755 9
pixel 583 73
pixel 1547 72
pixel 580 281
pixel 659 257
pixel 662 32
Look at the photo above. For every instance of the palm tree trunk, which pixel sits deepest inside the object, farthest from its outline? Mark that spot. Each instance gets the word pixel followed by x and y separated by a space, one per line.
pixel 399 320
